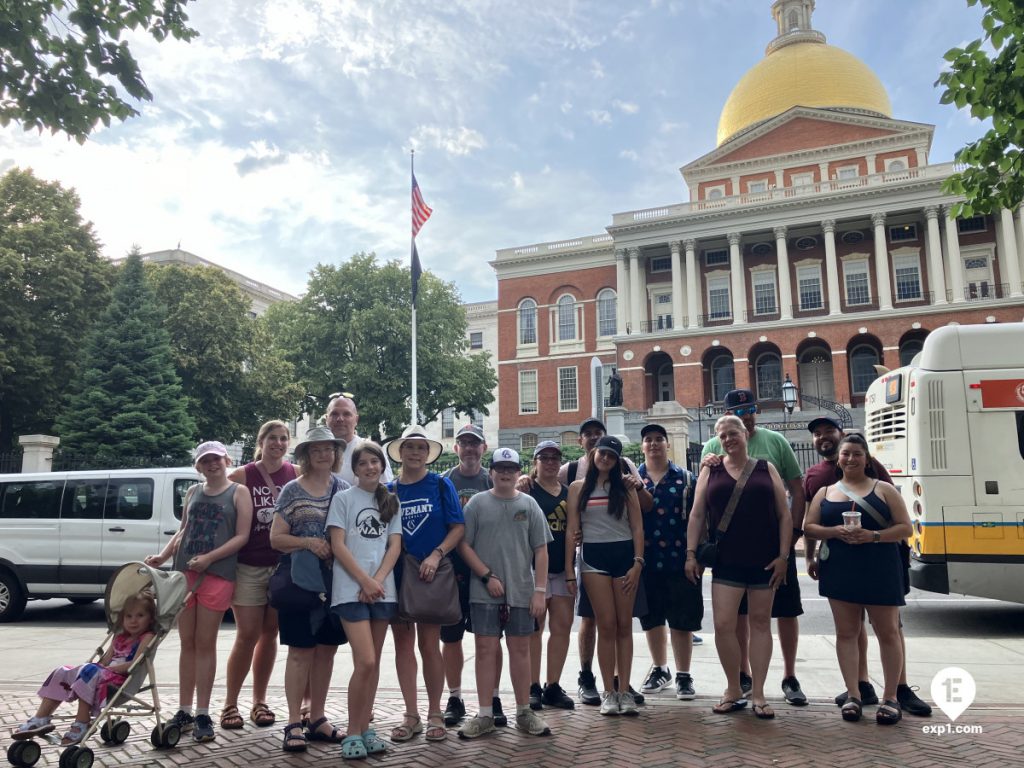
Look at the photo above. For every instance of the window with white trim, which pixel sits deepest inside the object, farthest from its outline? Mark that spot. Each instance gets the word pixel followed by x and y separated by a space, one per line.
pixel 755 187
pixel 569 437
pixel 808 286
pixel 973 224
pixel 477 417
pixel 527 442
pixel 907 271
pixel 476 339
pixel 607 308
pixel 568 392
pixel 801 179
pixel 716 258
pixel 858 284
pixel 863 360
pixel 661 264
pixel 527 315
pixel 723 377
pixel 719 306
pixel 902 233
pixel 567 318
pixel 661 311
pixel 715 193
pixel 765 301
pixel 528 391
pixel 768 372
pixel 848 172
pixel 895 164
pixel 448 422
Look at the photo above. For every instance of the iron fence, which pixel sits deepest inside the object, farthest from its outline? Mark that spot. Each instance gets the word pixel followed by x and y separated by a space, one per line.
pixel 806 456
pixel 10 461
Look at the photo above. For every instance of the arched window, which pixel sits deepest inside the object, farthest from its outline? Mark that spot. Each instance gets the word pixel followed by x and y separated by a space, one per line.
pixel 569 437
pixel 768 370
pixel 527 442
pixel 794 21
pixel 863 360
pixel 723 377
pixel 909 349
pixel 567 318
pixel 528 321
pixel 606 310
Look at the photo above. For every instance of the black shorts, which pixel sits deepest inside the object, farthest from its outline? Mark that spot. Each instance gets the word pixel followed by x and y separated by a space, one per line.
pixel 295 629
pixel 611 558
pixel 585 610
pixel 786 604
pixel 744 576
pixel 672 598
pixel 453 633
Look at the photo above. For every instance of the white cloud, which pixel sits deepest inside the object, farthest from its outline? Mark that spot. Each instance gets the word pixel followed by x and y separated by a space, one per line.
pixel 600 116
pixel 628 154
pixel 627 107
pixel 455 141
pixel 596 70
pixel 517 181
pixel 566 107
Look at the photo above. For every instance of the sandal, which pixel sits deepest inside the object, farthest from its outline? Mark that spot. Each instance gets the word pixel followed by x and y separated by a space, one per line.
pixel 230 719
pixel 36 726
pixel 729 706
pixel 763 711
pixel 888 713
pixel 304 717
pixel 294 742
pixel 353 748
pixel 262 715
pixel 851 710
pixel 411 726
pixel 74 733
pixel 313 732
pixel 436 730
pixel 375 745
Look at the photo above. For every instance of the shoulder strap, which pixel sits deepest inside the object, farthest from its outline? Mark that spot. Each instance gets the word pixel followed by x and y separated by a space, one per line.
pixel 267 479
pixel 737 491
pixel 864 504
pixel 570 473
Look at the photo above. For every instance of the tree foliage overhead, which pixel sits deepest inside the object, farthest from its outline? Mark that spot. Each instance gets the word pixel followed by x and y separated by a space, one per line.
pixel 351 332
pixel 987 75
pixel 127 405
pixel 53 282
pixel 61 61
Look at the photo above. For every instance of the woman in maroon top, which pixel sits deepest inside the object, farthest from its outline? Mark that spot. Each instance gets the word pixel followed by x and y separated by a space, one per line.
pixel 255 621
pixel 753 555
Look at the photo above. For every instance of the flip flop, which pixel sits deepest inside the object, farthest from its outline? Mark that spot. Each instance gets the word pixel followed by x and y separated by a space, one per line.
pixel 729 706
pixel 763 711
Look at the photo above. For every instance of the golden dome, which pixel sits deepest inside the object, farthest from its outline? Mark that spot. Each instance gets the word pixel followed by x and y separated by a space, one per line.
pixel 805 74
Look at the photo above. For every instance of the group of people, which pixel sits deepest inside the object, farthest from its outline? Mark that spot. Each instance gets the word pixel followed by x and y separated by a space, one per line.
pixel 597 536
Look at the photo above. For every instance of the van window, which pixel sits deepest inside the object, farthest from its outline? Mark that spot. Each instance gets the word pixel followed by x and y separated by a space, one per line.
pixel 180 490
pixel 38 500
pixel 83 499
pixel 129 499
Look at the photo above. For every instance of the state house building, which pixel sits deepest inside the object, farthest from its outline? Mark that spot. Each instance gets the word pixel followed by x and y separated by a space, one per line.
pixel 816 244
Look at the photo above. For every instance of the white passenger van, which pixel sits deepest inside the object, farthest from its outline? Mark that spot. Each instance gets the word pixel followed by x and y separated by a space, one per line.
pixel 62 534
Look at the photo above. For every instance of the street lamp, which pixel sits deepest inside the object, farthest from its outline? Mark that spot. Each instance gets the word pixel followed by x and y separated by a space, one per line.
pixel 709 409
pixel 789 395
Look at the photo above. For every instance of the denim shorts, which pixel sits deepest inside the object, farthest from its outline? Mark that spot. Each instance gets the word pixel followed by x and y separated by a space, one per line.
pixel 487 620
pixel 365 611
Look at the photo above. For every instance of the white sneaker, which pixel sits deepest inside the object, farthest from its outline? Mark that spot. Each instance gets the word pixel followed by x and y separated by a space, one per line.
pixel 627 705
pixel 478 726
pixel 532 723
pixel 610 703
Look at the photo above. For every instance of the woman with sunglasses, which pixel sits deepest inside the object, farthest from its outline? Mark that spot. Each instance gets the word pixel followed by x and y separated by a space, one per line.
pixel 860 522
pixel 611 563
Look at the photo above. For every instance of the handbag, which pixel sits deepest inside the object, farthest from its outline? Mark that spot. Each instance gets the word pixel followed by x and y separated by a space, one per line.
pixel 428 602
pixel 707 551
pixel 298 583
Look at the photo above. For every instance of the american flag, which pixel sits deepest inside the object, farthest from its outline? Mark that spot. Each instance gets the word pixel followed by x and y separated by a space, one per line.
pixel 420 210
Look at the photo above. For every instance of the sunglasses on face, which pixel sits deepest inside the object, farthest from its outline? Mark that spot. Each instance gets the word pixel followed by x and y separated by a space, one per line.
pixel 744 411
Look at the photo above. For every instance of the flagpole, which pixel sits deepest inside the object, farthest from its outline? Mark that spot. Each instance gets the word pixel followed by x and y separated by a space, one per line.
pixel 414 418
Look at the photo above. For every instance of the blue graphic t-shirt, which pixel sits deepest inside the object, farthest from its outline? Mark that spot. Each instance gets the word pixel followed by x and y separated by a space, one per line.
pixel 429 506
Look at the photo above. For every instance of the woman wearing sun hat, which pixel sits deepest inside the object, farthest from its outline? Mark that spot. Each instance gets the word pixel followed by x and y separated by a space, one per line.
pixel 432 526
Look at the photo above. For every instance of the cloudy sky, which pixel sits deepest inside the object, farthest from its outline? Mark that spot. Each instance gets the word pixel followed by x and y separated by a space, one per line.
pixel 280 137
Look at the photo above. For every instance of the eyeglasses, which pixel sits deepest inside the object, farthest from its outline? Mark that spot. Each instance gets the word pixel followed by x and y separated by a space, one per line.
pixel 549 457
pixel 743 411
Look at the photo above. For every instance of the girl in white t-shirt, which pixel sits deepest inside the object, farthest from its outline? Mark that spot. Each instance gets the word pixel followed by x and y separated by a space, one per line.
pixel 366 537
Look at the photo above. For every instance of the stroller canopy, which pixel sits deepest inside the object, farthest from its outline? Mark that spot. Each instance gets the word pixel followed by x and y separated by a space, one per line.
pixel 169 589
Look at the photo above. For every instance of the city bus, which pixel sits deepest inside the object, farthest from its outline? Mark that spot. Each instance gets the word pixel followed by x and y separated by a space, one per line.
pixel 949 428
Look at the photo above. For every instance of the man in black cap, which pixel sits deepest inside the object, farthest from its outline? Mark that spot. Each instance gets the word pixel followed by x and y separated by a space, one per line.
pixel 786 607
pixel 826 433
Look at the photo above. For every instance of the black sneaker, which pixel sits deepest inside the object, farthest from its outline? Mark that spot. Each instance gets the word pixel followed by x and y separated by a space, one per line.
pixel 183 720
pixel 868 697
pixel 203 730
pixel 555 696
pixel 638 698
pixel 911 702
pixel 536 693
pixel 455 711
pixel 684 687
pixel 658 679
pixel 791 690
pixel 588 688
pixel 500 719
pixel 698 640
pixel 746 683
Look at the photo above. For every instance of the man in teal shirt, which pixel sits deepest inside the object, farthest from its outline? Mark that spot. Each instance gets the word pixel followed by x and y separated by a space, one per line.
pixel 773 447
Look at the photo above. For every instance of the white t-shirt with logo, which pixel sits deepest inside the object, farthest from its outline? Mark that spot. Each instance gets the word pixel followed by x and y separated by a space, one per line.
pixel 366 537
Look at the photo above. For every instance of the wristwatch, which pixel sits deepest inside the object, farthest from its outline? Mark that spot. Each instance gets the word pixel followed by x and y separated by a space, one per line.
pixel 486 577
pixel 876 536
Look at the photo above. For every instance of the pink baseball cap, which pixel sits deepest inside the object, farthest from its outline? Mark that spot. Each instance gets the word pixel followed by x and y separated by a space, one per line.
pixel 210 446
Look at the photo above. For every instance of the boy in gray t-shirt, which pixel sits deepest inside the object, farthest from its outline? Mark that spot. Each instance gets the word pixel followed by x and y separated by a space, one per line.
pixel 505 531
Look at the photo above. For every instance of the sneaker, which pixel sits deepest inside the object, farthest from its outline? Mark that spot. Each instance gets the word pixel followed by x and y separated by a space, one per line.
pixel 868 697
pixel 455 711
pixel 791 690
pixel 588 688
pixel 183 720
pixel 555 696
pixel 910 702
pixel 203 730
pixel 637 696
pixel 627 705
pixel 530 722
pixel 536 694
pixel 658 679
pixel 698 640
pixel 610 703
pixel 684 687
pixel 499 713
pixel 478 726
pixel 746 683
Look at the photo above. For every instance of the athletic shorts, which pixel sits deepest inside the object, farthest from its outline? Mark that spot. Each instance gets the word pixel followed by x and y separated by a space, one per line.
pixel 786 604
pixel 613 558
pixel 357 611
pixel 495 620
pixel 672 599
pixel 296 631
pixel 214 592
pixel 557 586
pixel 251 583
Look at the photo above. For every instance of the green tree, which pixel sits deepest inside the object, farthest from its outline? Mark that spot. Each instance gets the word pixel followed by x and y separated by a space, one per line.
pixel 53 282
pixel 351 331
pixel 990 80
pixel 128 405
pixel 222 354
pixel 62 60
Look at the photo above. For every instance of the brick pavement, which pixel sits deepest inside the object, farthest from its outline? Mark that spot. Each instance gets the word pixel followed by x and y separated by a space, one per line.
pixel 667 733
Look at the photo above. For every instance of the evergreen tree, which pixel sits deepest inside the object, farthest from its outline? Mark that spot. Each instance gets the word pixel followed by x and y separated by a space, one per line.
pixel 128 405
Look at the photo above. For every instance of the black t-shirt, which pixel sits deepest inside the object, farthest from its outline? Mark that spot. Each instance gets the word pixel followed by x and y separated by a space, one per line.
pixel 553 508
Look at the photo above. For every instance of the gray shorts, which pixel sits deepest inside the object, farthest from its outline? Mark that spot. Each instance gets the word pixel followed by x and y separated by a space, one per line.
pixel 487 620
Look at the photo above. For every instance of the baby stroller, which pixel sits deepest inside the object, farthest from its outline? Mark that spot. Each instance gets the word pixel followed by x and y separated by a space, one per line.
pixel 137 696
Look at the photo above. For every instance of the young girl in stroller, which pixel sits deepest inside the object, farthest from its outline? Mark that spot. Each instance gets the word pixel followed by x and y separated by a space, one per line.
pixel 88 684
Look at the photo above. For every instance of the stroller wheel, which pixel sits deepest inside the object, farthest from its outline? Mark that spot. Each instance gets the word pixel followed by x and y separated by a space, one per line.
pixel 120 732
pixel 83 758
pixel 23 754
pixel 165 736
pixel 67 757
pixel 106 735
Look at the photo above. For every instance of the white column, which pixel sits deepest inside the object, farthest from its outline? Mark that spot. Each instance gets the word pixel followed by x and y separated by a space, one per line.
pixel 883 282
pixel 835 307
pixel 955 268
pixel 739 285
pixel 677 285
pixel 692 284
pixel 621 291
pixel 823 172
pixel 785 285
pixel 634 289
pixel 1009 260
pixel 936 278
pixel 1019 226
